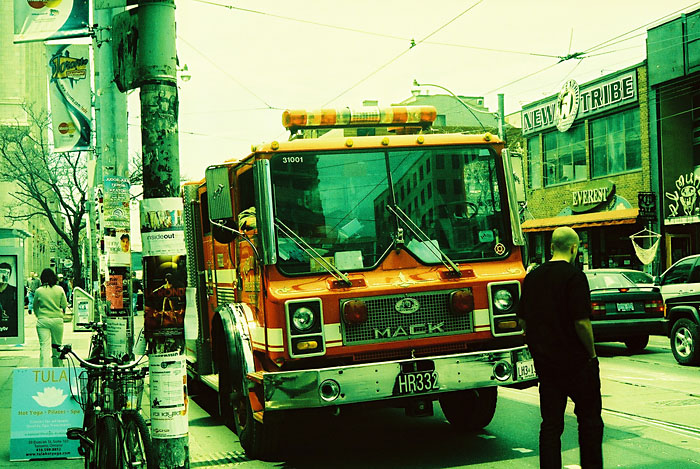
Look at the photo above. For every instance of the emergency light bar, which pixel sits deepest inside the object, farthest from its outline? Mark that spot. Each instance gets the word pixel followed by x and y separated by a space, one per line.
pixel 422 116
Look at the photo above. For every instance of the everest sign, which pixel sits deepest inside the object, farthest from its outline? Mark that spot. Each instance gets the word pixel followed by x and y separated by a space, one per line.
pixel 42 410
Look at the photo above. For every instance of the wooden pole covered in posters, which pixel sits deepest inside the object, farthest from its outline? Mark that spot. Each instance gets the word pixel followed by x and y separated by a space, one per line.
pixel 162 232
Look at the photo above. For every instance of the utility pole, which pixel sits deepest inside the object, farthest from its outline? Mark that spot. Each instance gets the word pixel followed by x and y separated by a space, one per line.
pixel 501 117
pixel 113 163
pixel 157 76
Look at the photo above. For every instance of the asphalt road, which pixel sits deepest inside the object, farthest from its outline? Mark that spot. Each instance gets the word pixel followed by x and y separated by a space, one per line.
pixel 651 412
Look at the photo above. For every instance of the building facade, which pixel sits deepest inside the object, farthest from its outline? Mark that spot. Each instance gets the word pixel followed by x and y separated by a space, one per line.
pixel 673 54
pixel 587 161
pixel 23 81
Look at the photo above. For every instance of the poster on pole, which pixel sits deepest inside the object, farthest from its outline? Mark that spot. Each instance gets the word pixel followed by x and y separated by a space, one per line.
pixel 162 229
pixel 70 96
pixel 42 410
pixel 116 202
pixel 165 296
pixel 40 20
pixel 168 380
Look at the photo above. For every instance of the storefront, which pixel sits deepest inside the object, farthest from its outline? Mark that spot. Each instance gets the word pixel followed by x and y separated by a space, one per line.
pixel 587 162
pixel 673 51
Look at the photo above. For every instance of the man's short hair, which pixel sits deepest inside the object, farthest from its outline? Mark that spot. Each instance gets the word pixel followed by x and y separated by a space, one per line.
pixel 5 265
pixel 125 235
pixel 563 238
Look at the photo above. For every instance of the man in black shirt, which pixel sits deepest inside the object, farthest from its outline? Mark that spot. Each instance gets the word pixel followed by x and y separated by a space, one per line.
pixel 554 311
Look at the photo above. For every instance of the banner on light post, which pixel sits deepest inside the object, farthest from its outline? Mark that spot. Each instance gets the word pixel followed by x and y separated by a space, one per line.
pixel 41 20
pixel 70 96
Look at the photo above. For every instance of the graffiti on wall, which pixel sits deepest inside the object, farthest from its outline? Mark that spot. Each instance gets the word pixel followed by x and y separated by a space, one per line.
pixel 684 200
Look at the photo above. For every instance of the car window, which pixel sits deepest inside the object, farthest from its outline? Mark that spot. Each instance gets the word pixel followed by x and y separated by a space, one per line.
pixel 640 277
pixel 695 274
pixel 599 281
pixel 679 272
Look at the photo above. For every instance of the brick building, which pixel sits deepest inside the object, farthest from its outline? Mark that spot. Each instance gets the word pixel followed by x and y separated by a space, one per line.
pixel 673 53
pixel 588 158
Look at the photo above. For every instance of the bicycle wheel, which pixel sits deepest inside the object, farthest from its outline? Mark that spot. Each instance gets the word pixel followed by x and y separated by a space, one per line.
pixel 138 450
pixel 107 454
pixel 89 427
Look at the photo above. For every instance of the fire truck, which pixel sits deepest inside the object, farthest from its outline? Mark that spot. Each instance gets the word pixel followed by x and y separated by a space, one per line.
pixel 378 268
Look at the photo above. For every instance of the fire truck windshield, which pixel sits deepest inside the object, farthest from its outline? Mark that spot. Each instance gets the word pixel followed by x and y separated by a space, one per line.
pixel 337 202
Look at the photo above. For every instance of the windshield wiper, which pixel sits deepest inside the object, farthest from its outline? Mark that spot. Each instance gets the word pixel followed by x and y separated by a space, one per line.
pixel 299 241
pixel 418 233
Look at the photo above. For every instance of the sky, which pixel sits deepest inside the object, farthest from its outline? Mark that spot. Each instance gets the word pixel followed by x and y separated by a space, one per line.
pixel 250 60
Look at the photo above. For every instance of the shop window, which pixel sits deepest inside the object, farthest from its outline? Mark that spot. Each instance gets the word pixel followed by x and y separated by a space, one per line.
pixel 564 156
pixel 534 163
pixel 616 144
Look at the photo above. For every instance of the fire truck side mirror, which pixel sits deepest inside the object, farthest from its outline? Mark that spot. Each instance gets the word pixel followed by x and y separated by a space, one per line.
pixel 516 229
pixel 219 193
pixel 265 211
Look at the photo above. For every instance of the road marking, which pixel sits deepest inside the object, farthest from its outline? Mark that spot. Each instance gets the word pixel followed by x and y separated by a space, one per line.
pixel 685 430
pixel 572 466
pixel 487 437
pixel 220 459
pixel 523 450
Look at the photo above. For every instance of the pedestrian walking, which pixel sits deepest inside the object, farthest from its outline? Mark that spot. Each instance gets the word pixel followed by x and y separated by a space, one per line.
pixel 555 311
pixel 50 307
pixel 32 285
pixel 64 284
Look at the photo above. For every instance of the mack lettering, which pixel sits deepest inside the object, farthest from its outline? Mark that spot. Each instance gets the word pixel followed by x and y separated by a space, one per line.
pixel 413 329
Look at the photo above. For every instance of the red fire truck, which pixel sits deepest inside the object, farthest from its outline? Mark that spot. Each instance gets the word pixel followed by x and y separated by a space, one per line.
pixel 340 270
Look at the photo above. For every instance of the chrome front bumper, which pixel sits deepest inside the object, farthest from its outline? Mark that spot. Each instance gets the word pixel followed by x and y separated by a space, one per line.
pixel 376 381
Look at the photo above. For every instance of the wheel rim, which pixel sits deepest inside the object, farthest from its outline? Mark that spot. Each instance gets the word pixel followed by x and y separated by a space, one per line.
pixel 683 342
pixel 240 406
pixel 134 446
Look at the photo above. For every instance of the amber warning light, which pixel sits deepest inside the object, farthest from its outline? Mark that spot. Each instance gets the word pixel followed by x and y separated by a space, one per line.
pixel 418 116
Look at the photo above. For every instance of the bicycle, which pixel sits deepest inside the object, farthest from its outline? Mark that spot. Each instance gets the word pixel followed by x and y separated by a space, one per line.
pixel 114 434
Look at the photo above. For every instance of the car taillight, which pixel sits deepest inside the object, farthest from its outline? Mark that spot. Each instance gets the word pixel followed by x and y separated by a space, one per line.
pixel 355 312
pixel 654 306
pixel 462 301
pixel 598 308
pixel 624 289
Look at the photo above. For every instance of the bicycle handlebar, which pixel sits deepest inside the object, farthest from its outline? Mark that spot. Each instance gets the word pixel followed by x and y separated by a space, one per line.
pixel 66 349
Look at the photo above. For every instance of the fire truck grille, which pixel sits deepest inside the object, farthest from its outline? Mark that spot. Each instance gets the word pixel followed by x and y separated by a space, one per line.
pixel 432 317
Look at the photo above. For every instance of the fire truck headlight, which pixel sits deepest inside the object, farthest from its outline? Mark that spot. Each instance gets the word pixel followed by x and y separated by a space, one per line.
pixel 303 319
pixel 503 300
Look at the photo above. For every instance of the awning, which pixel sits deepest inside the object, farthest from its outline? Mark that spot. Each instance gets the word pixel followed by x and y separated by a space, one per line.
pixel 611 217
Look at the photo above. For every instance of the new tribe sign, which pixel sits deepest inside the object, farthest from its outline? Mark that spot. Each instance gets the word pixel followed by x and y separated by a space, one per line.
pixel 575 102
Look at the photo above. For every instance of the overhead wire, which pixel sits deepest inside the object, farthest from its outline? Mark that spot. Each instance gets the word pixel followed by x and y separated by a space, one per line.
pixel 369 33
pixel 394 59
pixel 225 72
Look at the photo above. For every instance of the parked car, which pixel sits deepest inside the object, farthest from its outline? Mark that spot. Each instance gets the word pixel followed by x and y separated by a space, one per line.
pixel 638 277
pixel 683 313
pixel 682 278
pixel 623 311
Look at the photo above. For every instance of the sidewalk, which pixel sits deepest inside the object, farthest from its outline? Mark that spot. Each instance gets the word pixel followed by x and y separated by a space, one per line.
pixel 209 441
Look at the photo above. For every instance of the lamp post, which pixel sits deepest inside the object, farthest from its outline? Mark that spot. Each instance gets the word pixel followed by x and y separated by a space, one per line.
pixel 461 101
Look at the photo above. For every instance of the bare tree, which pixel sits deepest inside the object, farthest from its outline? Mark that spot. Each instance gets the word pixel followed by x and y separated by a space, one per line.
pixel 50 185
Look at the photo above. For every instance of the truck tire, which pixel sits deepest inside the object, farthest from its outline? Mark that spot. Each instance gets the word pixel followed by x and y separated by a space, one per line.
pixel 260 441
pixel 685 341
pixel 637 344
pixel 470 410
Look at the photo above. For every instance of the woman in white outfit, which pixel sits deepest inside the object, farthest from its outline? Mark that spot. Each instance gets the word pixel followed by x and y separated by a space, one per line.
pixel 49 306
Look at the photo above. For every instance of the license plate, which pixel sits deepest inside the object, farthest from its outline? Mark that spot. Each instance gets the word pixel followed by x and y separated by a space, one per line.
pixel 416 382
pixel 526 369
pixel 624 307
